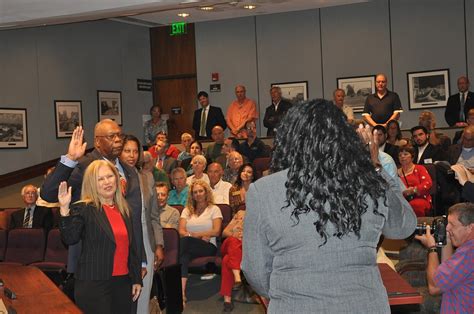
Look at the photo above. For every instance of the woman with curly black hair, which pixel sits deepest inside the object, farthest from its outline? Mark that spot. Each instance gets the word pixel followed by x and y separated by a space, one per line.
pixel 312 227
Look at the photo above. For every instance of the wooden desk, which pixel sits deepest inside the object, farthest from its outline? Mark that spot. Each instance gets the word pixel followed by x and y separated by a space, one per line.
pixel 399 291
pixel 34 291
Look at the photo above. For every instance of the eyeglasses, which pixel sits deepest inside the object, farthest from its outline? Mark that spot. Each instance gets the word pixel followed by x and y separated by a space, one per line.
pixel 112 137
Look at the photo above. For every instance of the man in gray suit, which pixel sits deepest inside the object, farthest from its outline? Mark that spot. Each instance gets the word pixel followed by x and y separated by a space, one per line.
pixel 163 161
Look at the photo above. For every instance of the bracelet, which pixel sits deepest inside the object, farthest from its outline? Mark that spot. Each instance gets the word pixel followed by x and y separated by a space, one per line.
pixel 433 249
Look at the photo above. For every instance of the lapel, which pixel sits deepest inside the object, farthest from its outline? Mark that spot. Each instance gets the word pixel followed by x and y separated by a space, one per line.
pixel 103 222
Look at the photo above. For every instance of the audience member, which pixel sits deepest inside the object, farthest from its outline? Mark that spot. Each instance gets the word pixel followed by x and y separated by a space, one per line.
pixel 231 144
pixel 231 258
pixel 108 274
pixel 199 164
pixel 163 161
pixel 275 112
pixel 196 149
pixel 178 195
pixel 466 180
pixel 240 111
pixel 459 104
pixel 318 218
pixel 382 106
pixel 428 120
pixel 234 161
pixel 151 172
pixel 32 216
pixel 171 150
pixel 252 147
pixel 214 150
pixel 463 153
pixel 425 153
pixel 239 189
pixel 169 216
pixel 470 121
pixel 454 276
pixel 154 126
pixel 381 133
pixel 394 134
pixel 199 225
pixel 152 232
pixel 186 140
pixel 108 144
pixel 417 182
pixel 338 99
pixel 220 189
pixel 206 118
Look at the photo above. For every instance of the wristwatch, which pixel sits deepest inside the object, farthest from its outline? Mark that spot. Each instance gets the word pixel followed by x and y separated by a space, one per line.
pixel 433 249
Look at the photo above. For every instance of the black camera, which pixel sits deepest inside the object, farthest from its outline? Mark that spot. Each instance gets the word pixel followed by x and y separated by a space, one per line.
pixel 438 230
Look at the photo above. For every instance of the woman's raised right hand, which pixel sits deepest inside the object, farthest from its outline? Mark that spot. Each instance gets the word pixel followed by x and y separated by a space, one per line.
pixel 64 198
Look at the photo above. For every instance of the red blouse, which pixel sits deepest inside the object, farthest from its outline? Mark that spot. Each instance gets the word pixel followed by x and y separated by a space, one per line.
pixel 121 240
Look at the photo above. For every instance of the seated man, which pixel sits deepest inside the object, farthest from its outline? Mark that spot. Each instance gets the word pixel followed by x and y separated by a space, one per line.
pixel 169 216
pixel 253 147
pixel 220 189
pixel 214 150
pixel 234 161
pixel 179 195
pixel 463 153
pixel 186 140
pixel 171 150
pixel 454 276
pixel 32 216
pixel 231 144
pixel 163 161
pixel 425 152
pixel 381 133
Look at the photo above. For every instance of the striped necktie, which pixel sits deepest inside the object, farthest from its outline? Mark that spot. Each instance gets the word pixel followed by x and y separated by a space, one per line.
pixel 26 221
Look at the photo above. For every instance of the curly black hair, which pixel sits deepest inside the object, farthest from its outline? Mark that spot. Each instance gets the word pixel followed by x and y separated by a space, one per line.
pixel 328 165
pixel 238 182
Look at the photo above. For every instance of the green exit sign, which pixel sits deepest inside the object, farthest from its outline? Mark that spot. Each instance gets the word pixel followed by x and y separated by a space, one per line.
pixel 178 28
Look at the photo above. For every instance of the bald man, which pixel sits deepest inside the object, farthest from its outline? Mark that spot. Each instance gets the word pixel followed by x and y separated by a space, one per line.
pixel 214 150
pixel 240 112
pixel 382 106
pixel 459 104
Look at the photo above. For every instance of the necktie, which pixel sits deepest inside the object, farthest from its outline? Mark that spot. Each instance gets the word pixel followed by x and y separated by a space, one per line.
pixel 26 222
pixel 123 182
pixel 202 131
pixel 461 112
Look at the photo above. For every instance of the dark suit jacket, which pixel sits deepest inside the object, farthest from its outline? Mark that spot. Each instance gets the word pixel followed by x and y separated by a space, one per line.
pixel 453 154
pixel 431 152
pixel 468 192
pixel 272 118
pixel 73 176
pixel 214 117
pixel 392 150
pixel 42 218
pixel 90 225
pixel 454 106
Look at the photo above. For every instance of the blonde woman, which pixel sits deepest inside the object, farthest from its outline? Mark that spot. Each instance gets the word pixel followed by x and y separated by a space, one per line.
pixel 199 225
pixel 108 273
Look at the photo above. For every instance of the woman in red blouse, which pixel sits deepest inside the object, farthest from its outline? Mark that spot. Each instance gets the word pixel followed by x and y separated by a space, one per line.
pixel 417 182
pixel 108 273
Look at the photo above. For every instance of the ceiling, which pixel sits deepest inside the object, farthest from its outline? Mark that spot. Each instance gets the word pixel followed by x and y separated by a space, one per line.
pixel 33 13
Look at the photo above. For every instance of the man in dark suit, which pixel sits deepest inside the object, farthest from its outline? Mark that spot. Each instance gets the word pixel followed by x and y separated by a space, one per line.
pixel 206 118
pixel 276 111
pixel 163 161
pixel 108 143
pixel 32 216
pixel 381 133
pixel 459 104
pixel 425 153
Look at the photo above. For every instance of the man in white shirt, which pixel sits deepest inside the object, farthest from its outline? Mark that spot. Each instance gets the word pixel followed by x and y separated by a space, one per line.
pixel 220 189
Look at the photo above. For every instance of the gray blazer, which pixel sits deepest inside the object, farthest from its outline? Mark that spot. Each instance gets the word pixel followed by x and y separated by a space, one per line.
pixel 152 213
pixel 284 261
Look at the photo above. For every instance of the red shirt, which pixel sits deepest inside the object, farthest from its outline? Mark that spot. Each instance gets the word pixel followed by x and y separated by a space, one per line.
pixel 172 152
pixel 121 240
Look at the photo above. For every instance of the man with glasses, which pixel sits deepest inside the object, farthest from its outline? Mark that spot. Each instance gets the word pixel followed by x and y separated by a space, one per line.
pixel 32 216
pixel 253 147
pixel 108 145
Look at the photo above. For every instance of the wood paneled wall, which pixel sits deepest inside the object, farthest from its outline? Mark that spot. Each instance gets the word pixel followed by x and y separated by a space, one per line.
pixel 173 60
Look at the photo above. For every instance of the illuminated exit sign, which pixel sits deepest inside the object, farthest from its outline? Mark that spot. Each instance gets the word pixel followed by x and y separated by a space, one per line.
pixel 178 28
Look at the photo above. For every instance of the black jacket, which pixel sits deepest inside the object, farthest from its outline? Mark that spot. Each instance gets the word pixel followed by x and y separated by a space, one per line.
pixel 214 117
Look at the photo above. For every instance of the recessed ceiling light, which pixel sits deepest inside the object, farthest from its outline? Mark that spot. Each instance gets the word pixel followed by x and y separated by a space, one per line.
pixel 183 14
pixel 207 8
pixel 250 6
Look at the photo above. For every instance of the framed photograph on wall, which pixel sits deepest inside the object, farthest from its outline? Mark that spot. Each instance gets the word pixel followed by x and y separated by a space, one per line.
pixel 68 115
pixel 357 89
pixel 110 105
pixel 428 89
pixel 13 128
pixel 295 92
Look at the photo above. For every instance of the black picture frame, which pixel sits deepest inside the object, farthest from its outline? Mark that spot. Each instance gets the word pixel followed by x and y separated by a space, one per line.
pixel 294 92
pixel 13 128
pixel 357 88
pixel 109 105
pixel 68 115
pixel 428 89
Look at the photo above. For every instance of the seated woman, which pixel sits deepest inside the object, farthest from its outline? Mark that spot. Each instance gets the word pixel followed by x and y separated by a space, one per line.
pixel 394 134
pixel 246 175
pixel 417 182
pixel 199 225
pixel 231 258
pixel 195 149
pixel 199 164
pixel 108 273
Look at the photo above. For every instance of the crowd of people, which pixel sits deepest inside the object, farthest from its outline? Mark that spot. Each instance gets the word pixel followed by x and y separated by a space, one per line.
pixel 328 197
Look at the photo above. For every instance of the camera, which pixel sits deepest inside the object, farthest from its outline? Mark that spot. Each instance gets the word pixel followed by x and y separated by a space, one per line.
pixel 438 230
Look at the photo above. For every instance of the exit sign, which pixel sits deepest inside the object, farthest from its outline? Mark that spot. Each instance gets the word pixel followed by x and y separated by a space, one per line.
pixel 178 28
